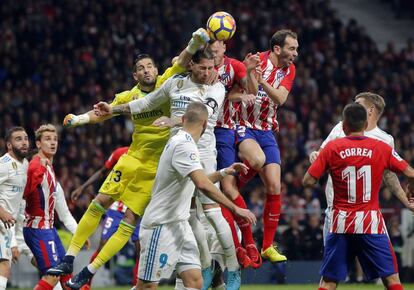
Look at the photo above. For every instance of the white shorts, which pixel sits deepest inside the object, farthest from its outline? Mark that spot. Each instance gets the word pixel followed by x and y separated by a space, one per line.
pixel 209 166
pixel 5 244
pixel 167 248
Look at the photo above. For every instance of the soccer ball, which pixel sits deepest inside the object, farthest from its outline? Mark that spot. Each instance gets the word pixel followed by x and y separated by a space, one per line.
pixel 221 26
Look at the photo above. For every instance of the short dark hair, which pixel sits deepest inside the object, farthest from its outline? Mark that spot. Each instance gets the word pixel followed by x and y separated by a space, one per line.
pixel 204 53
pixel 355 117
pixel 141 56
pixel 279 37
pixel 10 132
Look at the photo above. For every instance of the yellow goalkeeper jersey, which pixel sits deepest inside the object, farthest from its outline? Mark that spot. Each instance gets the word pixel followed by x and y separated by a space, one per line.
pixel 148 141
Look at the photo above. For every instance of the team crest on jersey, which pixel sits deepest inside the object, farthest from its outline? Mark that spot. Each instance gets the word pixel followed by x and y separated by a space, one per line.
pixel 395 154
pixel 210 102
pixel 14 165
pixel 180 84
pixel 280 75
pixel 225 78
pixel 193 156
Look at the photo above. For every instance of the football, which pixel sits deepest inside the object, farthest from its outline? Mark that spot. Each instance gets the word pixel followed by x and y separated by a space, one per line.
pixel 221 26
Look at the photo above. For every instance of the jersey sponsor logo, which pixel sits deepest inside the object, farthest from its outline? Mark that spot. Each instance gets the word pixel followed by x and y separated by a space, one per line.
pixel 146 115
pixel 14 164
pixel 210 102
pixel 395 154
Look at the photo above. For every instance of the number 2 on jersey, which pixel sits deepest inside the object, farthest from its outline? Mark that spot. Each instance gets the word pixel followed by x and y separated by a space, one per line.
pixel 351 175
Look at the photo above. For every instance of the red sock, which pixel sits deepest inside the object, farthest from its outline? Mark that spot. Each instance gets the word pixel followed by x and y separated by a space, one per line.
pixel 244 226
pixel 245 178
pixel 43 285
pixel 395 287
pixel 271 215
pixel 135 273
pixel 63 279
pixel 321 288
pixel 228 215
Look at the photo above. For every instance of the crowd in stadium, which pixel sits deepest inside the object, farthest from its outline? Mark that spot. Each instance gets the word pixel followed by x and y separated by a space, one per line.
pixel 63 58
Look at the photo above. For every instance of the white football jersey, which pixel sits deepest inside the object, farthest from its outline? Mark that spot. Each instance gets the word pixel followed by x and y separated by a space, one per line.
pixel 338 132
pixel 180 91
pixel 173 188
pixel 13 176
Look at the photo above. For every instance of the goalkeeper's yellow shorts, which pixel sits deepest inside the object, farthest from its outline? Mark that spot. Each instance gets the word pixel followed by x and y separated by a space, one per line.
pixel 131 181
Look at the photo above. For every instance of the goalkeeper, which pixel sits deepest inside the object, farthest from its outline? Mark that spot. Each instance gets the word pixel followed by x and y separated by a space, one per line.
pixel 148 142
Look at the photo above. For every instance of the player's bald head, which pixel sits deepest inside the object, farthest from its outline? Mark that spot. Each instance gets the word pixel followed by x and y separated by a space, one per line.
pixel 354 118
pixel 196 113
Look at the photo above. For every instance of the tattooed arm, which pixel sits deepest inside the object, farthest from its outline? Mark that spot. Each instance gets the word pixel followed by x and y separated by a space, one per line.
pixel 393 184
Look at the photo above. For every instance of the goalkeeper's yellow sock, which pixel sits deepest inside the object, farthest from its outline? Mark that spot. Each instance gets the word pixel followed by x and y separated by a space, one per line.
pixel 112 246
pixel 86 227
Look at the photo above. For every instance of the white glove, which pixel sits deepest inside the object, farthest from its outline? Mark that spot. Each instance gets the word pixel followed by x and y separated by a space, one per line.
pixel 200 38
pixel 72 120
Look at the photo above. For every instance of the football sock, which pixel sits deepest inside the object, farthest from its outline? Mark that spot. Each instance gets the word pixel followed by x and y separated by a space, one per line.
pixel 3 283
pixel 113 245
pixel 224 236
pixel 43 285
pixel 58 286
pixel 86 227
pixel 228 215
pixel 179 285
pixel 395 287
pixel 244 226
pixel 271 215
pixel 135 273
pixel 244 178
pixel 220 287
pixel 201 238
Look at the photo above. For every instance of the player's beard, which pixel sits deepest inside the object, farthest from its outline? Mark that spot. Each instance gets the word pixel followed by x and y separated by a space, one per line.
pixel 148 83
pixel 19 153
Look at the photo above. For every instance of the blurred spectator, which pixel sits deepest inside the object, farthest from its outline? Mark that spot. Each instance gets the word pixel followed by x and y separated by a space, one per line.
pixel 292 241
pixel 313 239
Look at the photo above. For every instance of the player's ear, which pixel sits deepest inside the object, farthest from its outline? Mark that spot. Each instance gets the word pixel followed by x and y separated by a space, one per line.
pixel 135 75
pixel 156 71
pixel 277 49
pixel 9 145
pixel 38 144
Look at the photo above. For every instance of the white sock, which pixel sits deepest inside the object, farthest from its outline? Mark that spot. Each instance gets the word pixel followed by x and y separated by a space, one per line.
pixel 187 288
pixel 58 286
pixel 223 231
pixel 92 269
pixel 220 287
pixel 179 285
pixel 201 238
pixel 3 283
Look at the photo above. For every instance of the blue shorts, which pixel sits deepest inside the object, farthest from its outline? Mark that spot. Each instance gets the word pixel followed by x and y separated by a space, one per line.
pixel 111 223
pixel 226 147
pixel 374 253
pixel 265 139
pixel 46 247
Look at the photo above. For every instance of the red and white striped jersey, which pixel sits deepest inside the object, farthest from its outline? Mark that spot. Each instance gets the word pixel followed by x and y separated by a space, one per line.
pixel 262 114
pixel 356 165
pixel 109 164
pixel 357 222
pixel 40 194
pixel 231 72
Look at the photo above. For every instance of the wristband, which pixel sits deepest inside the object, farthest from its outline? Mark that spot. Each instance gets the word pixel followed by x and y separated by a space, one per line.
pixel 83 119
pixel 223 172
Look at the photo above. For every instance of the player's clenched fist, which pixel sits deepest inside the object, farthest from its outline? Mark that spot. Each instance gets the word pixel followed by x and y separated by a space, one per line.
pixel 200 38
